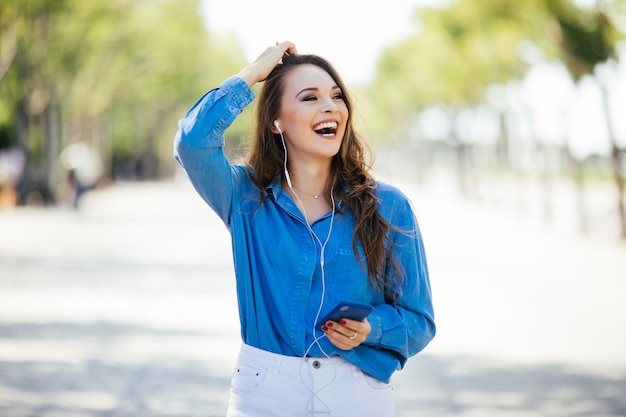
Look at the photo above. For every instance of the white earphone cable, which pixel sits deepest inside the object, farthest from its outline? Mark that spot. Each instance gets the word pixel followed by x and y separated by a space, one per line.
pixel 315 238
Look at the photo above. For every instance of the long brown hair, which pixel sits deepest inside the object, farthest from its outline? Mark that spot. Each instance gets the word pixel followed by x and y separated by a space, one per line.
pixel 350 173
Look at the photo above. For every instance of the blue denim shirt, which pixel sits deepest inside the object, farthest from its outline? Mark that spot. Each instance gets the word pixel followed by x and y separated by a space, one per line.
pixel 277 261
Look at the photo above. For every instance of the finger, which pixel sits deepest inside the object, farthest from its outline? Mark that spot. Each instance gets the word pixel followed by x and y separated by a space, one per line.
pixel 363 327
pixel 343 335
pixel 340 331
pixel 287 48
pixel 340 340
pixel 261 67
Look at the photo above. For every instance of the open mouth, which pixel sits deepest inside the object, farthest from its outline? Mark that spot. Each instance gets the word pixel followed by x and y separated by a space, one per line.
pixel 326 128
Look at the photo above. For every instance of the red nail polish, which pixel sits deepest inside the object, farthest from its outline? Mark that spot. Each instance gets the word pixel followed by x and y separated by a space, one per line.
pixel 329 324
pixel 324 328
pixel 342 321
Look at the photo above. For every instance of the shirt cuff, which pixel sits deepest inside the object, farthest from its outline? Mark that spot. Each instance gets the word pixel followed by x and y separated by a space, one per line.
pixel 376 323
pixel 241 92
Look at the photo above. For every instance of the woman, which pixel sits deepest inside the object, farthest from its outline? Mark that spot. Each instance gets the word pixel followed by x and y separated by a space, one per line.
pixel 310 229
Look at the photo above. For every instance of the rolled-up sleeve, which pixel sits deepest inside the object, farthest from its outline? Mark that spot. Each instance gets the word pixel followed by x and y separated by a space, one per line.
pixel 199 142
pixel 407 326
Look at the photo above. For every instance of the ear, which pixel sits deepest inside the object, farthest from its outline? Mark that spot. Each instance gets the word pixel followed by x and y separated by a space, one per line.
pixel 276 128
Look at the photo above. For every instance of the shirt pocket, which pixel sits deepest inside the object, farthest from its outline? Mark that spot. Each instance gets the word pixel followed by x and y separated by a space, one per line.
pixel 347 277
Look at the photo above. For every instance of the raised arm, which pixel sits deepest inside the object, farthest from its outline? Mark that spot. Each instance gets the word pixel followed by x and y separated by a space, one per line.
pixel 199 141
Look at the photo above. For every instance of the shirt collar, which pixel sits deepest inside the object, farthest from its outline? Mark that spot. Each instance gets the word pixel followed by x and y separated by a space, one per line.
pixel 275 189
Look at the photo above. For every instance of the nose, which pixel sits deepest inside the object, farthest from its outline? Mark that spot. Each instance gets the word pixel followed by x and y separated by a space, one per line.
pixel 329 106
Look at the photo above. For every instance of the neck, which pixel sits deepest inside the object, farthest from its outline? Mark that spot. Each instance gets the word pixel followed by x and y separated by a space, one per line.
pixel 311 183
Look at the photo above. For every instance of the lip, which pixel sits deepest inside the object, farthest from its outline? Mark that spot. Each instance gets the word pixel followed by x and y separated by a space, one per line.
pixel 327 121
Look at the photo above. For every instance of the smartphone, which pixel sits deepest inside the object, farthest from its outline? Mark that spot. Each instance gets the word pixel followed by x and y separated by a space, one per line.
pixel 347 310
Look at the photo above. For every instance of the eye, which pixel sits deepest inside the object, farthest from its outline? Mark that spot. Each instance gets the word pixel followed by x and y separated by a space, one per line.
pixel 309 98
pixel 338 94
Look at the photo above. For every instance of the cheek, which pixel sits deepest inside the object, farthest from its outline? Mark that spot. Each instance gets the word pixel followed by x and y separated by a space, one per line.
pixel 344 113
pixel 294 118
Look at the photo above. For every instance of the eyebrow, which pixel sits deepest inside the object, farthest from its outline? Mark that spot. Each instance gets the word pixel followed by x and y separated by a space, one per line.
pixel 335 87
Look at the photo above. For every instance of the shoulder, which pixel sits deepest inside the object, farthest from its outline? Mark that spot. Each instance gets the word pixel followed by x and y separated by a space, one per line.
pixel 388 193
pixel 244 177
pixel 243 173
pixel 395 205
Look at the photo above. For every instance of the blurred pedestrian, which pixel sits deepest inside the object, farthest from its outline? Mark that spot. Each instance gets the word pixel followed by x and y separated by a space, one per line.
pixel 12 164
pixel 84 168
pixel 311 228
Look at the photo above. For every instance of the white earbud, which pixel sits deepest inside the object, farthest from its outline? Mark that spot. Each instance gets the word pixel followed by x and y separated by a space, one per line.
pixel 280 131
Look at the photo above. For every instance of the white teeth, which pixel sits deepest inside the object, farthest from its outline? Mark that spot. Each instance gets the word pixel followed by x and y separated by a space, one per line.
pixel 326 125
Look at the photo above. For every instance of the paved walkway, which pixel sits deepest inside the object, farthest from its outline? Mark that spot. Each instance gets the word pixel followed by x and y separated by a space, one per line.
pixel 126 308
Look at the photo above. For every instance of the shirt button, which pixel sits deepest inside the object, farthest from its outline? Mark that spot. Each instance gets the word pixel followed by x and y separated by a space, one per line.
pixel 317 364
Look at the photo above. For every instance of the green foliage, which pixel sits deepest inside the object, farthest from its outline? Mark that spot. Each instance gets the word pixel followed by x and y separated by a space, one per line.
pixel 458 53
pixel 461 50
pixel 121 71
pixel 586 37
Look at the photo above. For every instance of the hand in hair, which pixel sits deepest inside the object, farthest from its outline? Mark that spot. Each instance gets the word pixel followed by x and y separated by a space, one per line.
pixel 265 63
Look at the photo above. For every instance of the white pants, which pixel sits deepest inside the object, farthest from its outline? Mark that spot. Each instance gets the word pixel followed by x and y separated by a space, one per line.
pixel 266 384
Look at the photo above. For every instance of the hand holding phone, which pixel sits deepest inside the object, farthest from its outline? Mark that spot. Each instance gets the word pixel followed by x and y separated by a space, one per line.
pixel 346 310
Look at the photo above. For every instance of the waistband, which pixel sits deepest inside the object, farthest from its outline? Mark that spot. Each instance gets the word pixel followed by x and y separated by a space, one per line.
pixel 278 363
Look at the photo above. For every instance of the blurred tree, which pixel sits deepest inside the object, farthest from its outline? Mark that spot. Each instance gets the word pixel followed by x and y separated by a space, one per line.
pixel 462 51
pixel 27 90
pixel 115 74
pixel 459 52
pixel 587 39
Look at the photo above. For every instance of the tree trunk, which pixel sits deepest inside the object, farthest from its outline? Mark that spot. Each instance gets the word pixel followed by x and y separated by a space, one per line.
pixel 460 155
pixel 51 131
pixel 578 172
pixel 615 164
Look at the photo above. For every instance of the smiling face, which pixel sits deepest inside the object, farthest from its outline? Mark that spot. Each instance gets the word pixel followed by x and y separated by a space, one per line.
pixel 313 114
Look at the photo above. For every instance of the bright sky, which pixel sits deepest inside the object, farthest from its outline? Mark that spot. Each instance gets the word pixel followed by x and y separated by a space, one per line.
pixel 350 33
